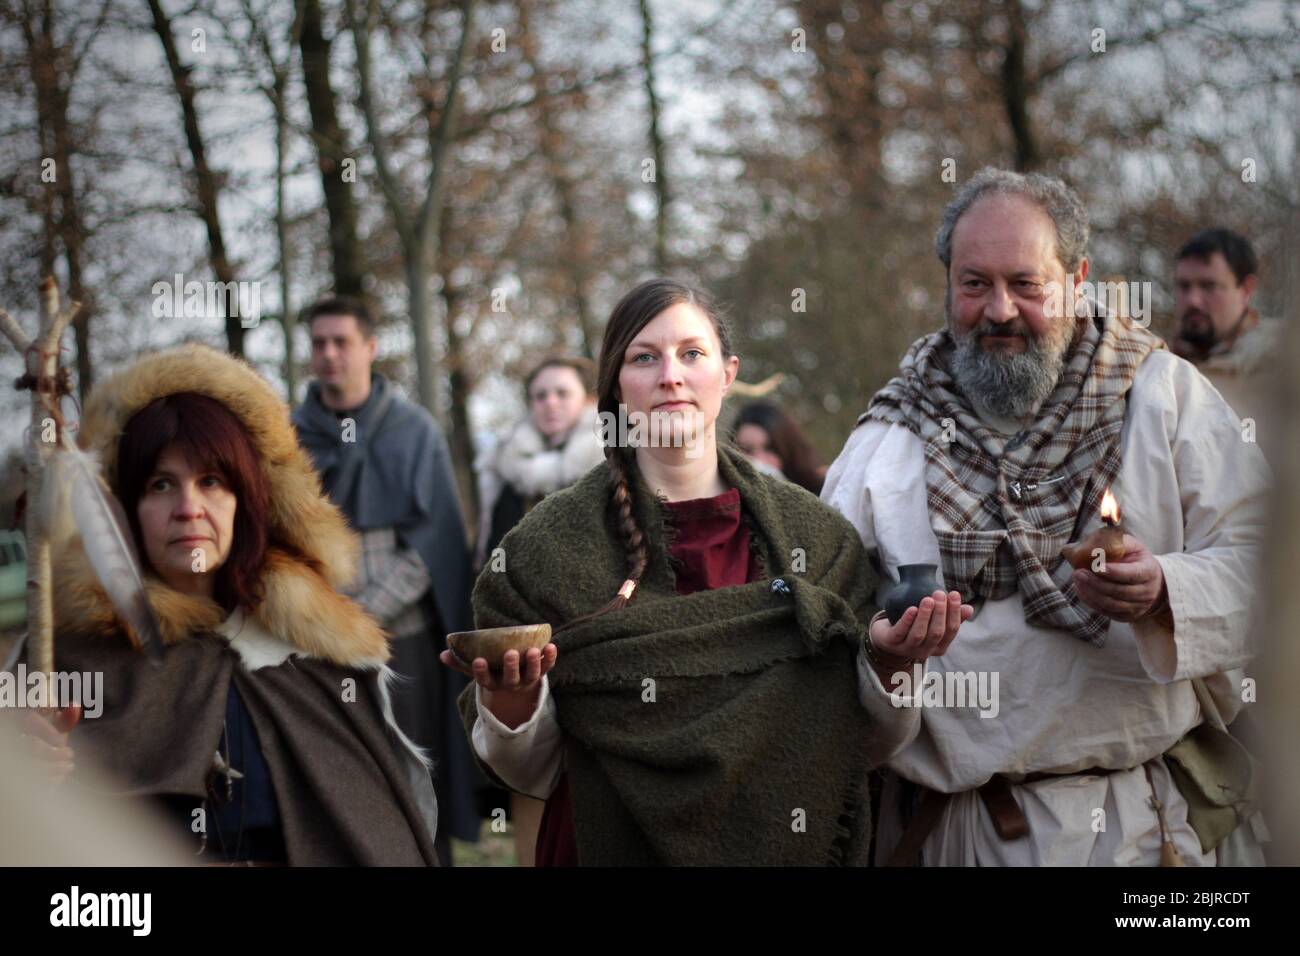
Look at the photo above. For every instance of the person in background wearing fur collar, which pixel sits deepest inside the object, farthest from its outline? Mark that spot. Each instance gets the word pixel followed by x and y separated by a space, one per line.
pixel 384 461
pixel 1219 331
pixel 266 734
pixel 550 449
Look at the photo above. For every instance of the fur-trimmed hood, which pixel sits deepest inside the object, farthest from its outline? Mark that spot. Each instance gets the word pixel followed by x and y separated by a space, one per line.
pixel 301 605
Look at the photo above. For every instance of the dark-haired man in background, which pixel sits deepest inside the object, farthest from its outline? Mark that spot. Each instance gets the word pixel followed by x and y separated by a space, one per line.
pixel 1214 281
pixel 384 461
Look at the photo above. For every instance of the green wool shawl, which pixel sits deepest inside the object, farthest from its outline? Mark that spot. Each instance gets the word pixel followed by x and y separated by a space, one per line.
pixel 717 728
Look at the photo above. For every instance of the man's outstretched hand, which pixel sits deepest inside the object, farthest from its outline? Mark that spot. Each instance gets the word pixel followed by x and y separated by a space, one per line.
pixel 924 630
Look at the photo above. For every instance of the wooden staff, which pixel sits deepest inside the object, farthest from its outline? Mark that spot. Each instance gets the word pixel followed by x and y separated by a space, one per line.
pixel 47 383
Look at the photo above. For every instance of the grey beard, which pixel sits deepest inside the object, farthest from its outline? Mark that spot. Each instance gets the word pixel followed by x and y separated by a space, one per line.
pixel 1009 386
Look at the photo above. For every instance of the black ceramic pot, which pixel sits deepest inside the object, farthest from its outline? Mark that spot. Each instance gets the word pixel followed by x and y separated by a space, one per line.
pixel 915 581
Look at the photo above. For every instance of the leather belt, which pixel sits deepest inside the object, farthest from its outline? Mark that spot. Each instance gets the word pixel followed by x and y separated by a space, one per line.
pixel 1008 819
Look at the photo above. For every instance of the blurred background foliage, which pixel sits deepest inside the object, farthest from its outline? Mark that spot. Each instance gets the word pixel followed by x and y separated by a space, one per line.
pixel 492 191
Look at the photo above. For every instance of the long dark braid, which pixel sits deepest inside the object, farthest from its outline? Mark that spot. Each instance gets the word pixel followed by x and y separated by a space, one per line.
pixel 634 542
pixel 633 538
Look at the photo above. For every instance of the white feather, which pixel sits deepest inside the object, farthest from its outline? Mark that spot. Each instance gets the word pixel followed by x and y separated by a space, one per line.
pixel 74 484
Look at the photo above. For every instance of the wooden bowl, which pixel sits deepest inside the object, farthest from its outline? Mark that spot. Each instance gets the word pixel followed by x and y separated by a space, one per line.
pixel 492 643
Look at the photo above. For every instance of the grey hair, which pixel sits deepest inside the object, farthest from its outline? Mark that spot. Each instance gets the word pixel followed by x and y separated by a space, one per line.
pixel 1056 199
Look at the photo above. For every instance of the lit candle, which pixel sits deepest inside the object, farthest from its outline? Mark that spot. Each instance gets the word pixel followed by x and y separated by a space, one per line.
pixel 1109 538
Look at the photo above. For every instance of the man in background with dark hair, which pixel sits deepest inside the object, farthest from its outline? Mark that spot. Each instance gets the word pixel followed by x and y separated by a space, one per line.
pixel 384 461
pixel 1214 281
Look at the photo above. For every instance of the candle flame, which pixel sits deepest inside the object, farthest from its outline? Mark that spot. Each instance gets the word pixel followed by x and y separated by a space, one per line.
pixel 1109 508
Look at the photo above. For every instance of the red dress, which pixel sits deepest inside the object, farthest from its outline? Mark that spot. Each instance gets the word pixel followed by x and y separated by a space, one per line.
pixel 711 548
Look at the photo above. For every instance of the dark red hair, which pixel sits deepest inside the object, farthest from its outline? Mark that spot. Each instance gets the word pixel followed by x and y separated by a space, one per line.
pixel 210 436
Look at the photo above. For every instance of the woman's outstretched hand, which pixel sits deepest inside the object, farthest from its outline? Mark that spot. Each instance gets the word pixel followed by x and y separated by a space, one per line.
pixel 511 697
pixel 925 630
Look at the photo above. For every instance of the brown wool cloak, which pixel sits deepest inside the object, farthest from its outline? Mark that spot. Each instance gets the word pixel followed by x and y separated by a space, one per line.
pixel 345 791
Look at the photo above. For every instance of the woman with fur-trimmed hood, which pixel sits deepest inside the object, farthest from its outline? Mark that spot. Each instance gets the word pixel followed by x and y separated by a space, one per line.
pixel 266 733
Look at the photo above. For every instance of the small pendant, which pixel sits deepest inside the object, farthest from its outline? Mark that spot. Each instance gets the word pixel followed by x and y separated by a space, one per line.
pixel 219 765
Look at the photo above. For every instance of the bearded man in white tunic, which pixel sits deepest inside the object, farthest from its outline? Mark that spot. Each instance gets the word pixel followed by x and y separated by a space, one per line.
pixel 990 451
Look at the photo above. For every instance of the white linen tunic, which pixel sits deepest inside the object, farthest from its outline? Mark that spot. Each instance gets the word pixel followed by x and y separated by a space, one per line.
pixel 1194 492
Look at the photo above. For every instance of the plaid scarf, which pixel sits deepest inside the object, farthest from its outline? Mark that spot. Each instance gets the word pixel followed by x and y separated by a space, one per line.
pixel 1001 514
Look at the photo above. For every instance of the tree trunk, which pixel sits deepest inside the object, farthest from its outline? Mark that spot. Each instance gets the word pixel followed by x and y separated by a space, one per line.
pixel 419 233
pixel 656 141
pixel 288 320
pixel 576 242
pixel 1016 89
pixel 417 298
pixel 205 180
pixel 848 79
pixel 49 65
pixel 73 235
pixel 277 93
pixel 461 438
pixel 346 255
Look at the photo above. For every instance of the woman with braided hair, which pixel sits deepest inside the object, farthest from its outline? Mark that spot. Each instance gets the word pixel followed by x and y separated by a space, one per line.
pixel 714 693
